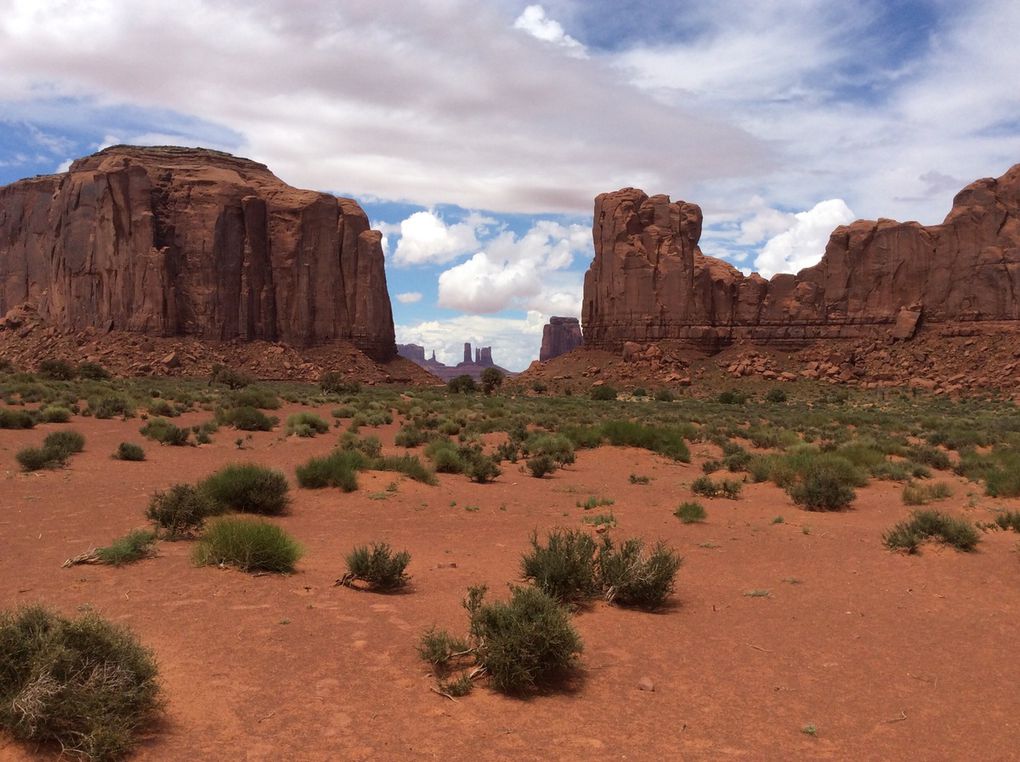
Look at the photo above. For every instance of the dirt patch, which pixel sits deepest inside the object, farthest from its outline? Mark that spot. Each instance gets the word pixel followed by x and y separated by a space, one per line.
pixel 885 655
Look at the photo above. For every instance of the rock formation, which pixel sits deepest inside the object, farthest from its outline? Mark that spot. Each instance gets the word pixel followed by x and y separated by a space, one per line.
pixel 190 242
pixel 472 365
pixel 649 280
pixel 559 336
pixel 413 352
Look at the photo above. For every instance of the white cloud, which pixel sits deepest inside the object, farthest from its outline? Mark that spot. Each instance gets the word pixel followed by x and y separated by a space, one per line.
pixel 803 244
pixel 528 272
pixel 535 22
pixel 426 239
pixel 409 297
pixel 428 103
pixel 515 342
pixel 63 166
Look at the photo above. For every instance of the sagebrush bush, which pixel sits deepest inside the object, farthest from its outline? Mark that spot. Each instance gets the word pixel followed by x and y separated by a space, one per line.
pixel 631 577
pixel 93 371
pixel 408 465
pixel 922 494
pixel 57 370
pixel 822 481
pixel 83 685
pixel 338 469
pixel 410 436
pixel 932 525
pixel 129 451
pixel 246 418
pixel 728 488
pixel 134 546
pixel 482 469
pixel 603 393
pixel 445 457
pixel 556 447
pixel 333 382
pixel 247 488
pixel 164 432
pixel 255 396
pixel 463 384
pixel 55 414
pixel 1008 520
pixel 247 545
pixel 541 465
pixel 110 405
pixel 66 443
pixel 525 642
pixel 16 419
pixel 378 566
pixel 564 567
pixel 370 447
pixel 36 458
pixel 306 424
pixel 180 511
pixel 690 513
pixel 665 441
pixel 163 408
pixel 437 647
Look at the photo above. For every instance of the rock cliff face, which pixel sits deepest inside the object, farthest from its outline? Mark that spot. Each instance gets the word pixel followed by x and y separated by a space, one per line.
pixel 649 280
pixel 559 336
pixel 190 242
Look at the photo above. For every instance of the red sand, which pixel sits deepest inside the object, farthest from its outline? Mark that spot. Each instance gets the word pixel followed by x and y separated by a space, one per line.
pixel 888 656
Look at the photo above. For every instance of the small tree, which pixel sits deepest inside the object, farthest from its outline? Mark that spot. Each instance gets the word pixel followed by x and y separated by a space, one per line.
pixel 492 379
pixel 463 384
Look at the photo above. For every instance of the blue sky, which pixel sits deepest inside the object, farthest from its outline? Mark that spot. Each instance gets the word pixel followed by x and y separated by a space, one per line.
pixel 476 134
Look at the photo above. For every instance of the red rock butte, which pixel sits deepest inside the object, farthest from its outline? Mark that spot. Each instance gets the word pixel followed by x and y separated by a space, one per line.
pixel 171 241
pixel 649 280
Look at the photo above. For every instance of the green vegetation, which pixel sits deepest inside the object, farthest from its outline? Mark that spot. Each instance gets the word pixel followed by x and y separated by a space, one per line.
pixel 690 513
pixel 338 469
pixel 603 393
pixel 377 566
pixel 64 443
pixel 83 686
pixel 932 525
pixel 728 488
pixel 129 451
pixel 134 546
pixel 461 385
pixel 492 379
pixel 248 545
pixel 247 418
pixel 164 432
pixel 668 442
pixel 564 567
pixel 304 424
pixel 630 577
pixel 180 511
pixel 247 488
pixel 16 419
pixel 922 494
pixel 1008 520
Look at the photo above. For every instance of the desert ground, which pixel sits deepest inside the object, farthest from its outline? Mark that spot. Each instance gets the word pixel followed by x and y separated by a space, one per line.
pixel 799 638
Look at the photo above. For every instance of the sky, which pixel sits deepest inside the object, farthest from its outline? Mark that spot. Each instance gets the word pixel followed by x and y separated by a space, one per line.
pixel 476 133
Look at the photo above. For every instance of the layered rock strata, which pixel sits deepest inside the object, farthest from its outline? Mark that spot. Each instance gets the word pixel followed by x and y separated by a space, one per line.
pixel 190 242
pixel 649 280
pixel 559 336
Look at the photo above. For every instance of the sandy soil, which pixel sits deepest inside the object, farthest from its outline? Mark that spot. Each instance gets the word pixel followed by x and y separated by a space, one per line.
pixel 888 656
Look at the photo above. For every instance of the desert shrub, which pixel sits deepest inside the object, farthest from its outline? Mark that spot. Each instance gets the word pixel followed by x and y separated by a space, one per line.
pixel 229 377
pixel 732 397
pixel 664 395
pixel 333 382
pixel 36 458
pixel 110 405
pixel 370 447
pixel 410 436
pixel 408 465
pixel 305 424
pixel 922 494
pixel 180 511
pixel 16 419
pixel 55 414
pixel 711 466
pixel 564 567
pixel 932 525
pixel 738 460
pixel 255 396
pixel 827 484
pixel 164 432
pixel 557 447
pixel 437 647
pixel 523 643
pixel 163 408
pixel 582 437
pixel 728 488
pixel 775 395
pixel 461 384
pixel 57 370
pixel 491 379
pixel 639 479
pixel 338 469
pixel 247 419
pixel 378 566
pixel 66 443
pixel 482 469
pixel 134 546
pixel 541 465
pixel 603 393
pixel 690 513
pixel 129 451
pixel 93 371
pixel 669 442
pixel 83 684
pixel 1008 520
pixel 248 488
pixel 247 545
pixel 931 456
pixel 444 455
pixel 630 577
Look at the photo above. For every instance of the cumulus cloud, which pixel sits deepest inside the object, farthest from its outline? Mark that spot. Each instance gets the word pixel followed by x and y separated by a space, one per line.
pixel 803 244
pixel 409 297
pixel 534 21
pixel 426 239
pixel 422 102
pixel 529 272
pixel 515 342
